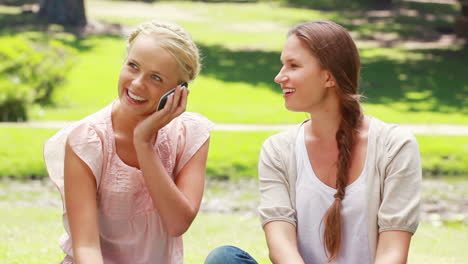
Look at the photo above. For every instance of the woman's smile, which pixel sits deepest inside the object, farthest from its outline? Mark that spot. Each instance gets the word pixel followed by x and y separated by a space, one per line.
pixel 133 98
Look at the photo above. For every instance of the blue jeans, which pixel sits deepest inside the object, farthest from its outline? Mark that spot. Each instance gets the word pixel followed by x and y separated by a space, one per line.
pixel 229 255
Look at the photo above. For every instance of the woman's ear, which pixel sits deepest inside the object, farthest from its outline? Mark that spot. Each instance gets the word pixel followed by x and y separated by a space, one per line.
pixel 330 80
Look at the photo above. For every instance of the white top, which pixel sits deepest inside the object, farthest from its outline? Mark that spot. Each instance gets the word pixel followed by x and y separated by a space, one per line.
pixel 313 198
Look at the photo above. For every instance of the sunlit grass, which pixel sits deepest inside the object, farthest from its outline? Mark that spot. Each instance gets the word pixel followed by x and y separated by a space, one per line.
pixel 232 154
pixel 31 235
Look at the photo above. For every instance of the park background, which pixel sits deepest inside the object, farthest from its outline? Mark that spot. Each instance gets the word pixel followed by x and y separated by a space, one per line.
pixel 58 65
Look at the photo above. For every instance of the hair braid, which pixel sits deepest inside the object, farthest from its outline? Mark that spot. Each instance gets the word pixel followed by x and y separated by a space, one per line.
pixel 345 138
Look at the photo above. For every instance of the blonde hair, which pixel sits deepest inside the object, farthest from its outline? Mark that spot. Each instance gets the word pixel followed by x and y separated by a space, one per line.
pixel 177 41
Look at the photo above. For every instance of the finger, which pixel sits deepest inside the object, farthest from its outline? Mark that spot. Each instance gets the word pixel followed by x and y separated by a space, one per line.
pixel 183 103
pixel 168 107
pixel 177 95
pixel 183 100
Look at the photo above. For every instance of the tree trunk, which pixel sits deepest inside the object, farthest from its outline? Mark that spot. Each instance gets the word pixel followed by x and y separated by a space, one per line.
pixel 63 12
pixel 381 4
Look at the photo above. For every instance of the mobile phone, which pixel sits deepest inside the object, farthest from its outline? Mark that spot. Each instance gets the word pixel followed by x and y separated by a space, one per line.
pixel 163 100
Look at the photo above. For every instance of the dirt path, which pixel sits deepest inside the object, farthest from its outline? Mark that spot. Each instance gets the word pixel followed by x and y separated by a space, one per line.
pixel 418 129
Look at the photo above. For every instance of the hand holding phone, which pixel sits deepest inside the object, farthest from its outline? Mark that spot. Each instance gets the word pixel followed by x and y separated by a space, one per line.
pixel 163 100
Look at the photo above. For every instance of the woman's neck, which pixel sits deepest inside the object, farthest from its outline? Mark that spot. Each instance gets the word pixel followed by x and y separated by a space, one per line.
pixel 325 120
pixel 324 127
pixel 123 122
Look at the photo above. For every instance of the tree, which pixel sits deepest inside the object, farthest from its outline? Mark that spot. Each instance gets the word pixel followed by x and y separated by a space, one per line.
pixel 380 4
pixel 63 12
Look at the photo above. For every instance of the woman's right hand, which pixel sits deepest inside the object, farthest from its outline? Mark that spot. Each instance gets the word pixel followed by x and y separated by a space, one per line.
pixel 145 132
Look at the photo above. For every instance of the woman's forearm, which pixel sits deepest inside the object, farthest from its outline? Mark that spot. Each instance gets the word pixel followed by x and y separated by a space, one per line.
pixel 87 255
pixel 393 247
pixel 282 243
pixel 173 206
pixel 284 255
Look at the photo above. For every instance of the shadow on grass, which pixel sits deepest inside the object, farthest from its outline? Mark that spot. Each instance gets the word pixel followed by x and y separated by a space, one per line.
pixel 417 21
pixel 253 67
pixel 35 29
pixel 436 83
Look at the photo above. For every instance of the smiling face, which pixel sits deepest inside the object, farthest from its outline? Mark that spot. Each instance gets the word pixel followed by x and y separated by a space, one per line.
pixel 304 82
pixel 149 71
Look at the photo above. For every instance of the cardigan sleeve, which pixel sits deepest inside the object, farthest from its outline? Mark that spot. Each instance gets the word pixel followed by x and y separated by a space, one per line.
pixel 275 199
pixel 401 196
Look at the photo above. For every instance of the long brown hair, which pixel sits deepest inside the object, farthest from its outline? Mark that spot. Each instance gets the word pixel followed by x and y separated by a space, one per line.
pixel 332 45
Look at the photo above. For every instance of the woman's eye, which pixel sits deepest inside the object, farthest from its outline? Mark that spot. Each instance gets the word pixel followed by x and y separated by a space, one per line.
pixel 294 65
pixel 133 65
pixel 156 77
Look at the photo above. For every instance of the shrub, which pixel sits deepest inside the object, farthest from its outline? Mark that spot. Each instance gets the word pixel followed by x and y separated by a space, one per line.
pixel 29 73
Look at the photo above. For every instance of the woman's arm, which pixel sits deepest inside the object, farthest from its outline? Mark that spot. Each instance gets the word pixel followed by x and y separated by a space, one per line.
pixel 393 247
pixel 282 242
pixel 177 202
pixel 81 206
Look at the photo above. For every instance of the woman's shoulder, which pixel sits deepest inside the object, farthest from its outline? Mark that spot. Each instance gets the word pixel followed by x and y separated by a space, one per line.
pixel 391 136
pixel 390 131
pixel 282 142
pixel 189 121
pixel 89 126
pixel 192 117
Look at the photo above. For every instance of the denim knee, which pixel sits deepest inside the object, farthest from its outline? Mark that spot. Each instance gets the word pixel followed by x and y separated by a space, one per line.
pixel 229 255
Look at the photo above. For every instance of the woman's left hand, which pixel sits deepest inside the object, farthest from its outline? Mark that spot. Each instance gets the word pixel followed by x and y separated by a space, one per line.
pixel 146 130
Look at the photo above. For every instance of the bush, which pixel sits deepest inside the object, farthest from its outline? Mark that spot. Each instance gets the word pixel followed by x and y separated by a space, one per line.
pixel 29 74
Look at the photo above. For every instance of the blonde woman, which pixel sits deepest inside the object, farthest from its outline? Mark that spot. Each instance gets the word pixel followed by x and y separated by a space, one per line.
pixel 132 177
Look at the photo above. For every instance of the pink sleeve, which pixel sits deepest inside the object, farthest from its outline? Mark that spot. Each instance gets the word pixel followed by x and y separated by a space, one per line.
pixel 84 141
pixel 193 131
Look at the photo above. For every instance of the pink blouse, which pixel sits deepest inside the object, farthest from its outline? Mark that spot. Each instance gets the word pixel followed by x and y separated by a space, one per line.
pixel 131 230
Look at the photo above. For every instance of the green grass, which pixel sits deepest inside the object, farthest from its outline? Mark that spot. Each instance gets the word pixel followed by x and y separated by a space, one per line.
pixel 235 154
pixel 444 155
pixel 232 154
pixel 241 46
pixel 31 234
pixel 21 152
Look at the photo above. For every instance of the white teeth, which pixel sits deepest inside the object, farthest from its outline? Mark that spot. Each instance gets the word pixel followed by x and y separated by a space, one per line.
pixel 288 91
pixel 136 97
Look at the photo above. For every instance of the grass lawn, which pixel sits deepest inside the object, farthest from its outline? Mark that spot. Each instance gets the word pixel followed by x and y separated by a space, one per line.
pixel 232 154
pixel 30 235
pixel 241 45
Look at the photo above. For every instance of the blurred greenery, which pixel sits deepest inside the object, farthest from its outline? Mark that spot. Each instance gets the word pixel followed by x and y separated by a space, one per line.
pixel 31 71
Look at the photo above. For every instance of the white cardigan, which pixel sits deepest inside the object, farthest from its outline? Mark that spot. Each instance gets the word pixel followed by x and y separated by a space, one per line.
pixel 394 179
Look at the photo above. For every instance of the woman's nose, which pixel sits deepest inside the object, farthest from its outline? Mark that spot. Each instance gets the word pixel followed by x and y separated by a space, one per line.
pixel 280 77
pixel 137 81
